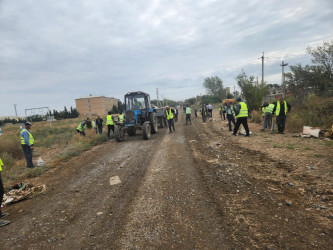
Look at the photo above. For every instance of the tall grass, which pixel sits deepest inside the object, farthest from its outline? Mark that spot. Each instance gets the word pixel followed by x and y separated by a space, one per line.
pixel 256 117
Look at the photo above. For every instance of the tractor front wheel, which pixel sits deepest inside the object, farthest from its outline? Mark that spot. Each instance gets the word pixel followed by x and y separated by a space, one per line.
pixel 119 133
pixel 146 130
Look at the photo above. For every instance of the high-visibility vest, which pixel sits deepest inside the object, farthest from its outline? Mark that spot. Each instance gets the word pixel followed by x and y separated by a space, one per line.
pixel 243 112
pixel 121 119
pixel 269 108
pixel 277 111
pixel 263 111
pixel 109 120
pixel 80 127
pixel 1 164
pixel 169 114
pixel 232 109
pixel 224 108
pixel 31 139
pixel 188 110
pixel 93 124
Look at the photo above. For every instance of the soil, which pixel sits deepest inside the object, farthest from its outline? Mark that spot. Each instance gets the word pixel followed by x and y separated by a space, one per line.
pixel 197 188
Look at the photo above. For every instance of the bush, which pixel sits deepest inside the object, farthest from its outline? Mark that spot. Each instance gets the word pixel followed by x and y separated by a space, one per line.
pixel 294 123
pixel 256 117
pixel 12 146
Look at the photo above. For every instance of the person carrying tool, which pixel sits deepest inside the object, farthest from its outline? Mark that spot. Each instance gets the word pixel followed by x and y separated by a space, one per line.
pixel 27 142
pixel 169 116
pixel 110 123
pixel 188 112
pixel 81 128
pixel 242 114
pixel 2 215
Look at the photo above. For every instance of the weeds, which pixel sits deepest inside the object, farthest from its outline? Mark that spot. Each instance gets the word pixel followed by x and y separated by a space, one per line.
pixel 326 143
pixel 319 155
pixel 256 117
pixel 290 146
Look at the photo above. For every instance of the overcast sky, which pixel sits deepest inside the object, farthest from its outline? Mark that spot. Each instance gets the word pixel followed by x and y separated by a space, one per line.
pixel 53 52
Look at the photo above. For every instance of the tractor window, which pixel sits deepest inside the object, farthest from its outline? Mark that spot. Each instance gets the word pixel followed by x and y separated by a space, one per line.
pixel 135 102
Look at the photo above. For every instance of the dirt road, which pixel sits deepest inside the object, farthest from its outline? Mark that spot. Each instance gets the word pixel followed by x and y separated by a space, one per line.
pixel 198 188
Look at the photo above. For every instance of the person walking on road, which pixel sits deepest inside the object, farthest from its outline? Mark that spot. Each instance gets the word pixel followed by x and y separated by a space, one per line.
pixel 268 116
pixel 230 114
pixel 242 114
pixel 176 114
pixel 81 128
pixel 99 124
pixel 109 123
pixel 196 111
pixel 27 142
pixel 188 114
pixel 224 111
pixel 210 110
pixel 169 115
pixel 281 110
pixel 2 215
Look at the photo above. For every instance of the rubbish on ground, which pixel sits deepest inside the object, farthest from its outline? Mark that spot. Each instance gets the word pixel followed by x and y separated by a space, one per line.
pixel 21 192
pixel 311 131
pixel 40 162
pixel 115 180
pixel 192 140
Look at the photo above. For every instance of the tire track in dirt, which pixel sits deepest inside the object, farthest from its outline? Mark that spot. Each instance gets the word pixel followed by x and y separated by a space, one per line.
pixel 251 198
pixel 173 209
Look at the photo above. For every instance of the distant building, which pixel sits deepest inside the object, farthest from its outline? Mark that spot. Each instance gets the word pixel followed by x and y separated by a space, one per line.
pixel 95 105
pixel 227 90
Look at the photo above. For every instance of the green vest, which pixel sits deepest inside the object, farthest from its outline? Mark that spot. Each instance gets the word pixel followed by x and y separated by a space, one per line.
pixel 188 110
pixel 277 111
pixel 269 108
pixel 1 164
pixel 31 139
pixel 243 112
pixel 263 111
pixel 109 120
pixel 121 119
pixel 169 114
pixel 80 128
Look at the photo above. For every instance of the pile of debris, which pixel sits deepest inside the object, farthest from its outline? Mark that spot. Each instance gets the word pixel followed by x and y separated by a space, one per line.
pixel 21 192
pixel 309 132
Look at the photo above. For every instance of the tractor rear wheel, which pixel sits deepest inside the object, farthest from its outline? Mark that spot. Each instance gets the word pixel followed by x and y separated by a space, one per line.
pixel 119 133
pixel 146 130
pixel 153 122
pixel 131 131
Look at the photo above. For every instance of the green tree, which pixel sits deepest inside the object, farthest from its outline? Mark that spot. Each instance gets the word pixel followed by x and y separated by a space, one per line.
pixel 214 87
pixel 253 93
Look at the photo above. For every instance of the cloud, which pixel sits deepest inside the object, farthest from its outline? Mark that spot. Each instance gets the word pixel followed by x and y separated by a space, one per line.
pixel 56 51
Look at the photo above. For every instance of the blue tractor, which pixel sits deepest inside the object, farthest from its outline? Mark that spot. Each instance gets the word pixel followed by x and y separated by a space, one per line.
pixel 139 115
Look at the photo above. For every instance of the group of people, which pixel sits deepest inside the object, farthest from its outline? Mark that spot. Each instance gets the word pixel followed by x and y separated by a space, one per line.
pixel 98 124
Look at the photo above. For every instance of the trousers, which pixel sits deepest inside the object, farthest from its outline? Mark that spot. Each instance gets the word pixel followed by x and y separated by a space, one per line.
pixel 243 121
pixel 28 155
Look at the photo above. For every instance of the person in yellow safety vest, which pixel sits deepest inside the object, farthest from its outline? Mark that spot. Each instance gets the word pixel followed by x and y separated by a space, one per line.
pixel 81 128
pixel 2 215
pixel 188 112
pixel 204 112
pixel 27 142
pixel 230 114
pixel 109 123
pixel 268 116
pixel 242 114
pixel 220 111
pixel 121 118
pixel 94 125
pixel 224 110
pixel 169 116
pixel 281 110
pixel 263 108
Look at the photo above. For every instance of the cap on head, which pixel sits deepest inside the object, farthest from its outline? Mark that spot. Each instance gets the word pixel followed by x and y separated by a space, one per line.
pixel 167 107
pixel 238 99
pixel 27 124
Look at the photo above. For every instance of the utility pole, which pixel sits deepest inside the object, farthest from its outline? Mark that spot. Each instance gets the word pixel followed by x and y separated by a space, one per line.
pixel 15 110
pixel 257 81
pixel 262 67
pixel 283 79
pixel 158 100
